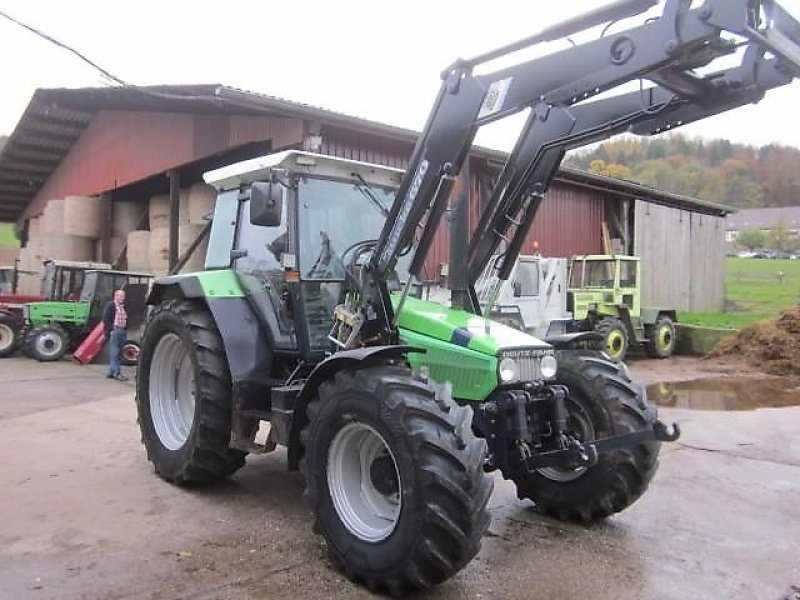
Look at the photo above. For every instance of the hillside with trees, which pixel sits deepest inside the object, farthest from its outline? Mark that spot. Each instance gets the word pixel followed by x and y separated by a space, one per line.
pixel 713 170
pixel 3 139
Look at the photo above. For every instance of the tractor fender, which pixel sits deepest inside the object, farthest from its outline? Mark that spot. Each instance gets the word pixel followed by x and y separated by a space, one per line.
pixel 174 287
pixel 339 361
pixel 565 341
pixel 247 348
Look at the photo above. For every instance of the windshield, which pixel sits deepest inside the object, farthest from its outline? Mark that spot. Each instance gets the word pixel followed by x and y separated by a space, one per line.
pixel 334 216
pixel 597 274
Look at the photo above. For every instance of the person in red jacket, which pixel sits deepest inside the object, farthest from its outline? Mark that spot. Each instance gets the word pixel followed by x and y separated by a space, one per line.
pixel 115 323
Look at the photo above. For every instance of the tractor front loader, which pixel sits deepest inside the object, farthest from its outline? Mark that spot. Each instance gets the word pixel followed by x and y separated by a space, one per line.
pixel 395 408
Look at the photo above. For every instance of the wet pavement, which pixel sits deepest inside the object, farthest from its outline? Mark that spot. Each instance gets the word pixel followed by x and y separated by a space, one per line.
pixel 85 517
pixel 726 394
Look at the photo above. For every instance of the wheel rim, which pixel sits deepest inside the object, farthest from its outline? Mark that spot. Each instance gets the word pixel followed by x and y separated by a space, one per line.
pixel 172 392
pixel 6 337
pixel 665 337
pixel 130 352
pixel 364 482
pixel 579 425
pixel 615 343
pixel 48 343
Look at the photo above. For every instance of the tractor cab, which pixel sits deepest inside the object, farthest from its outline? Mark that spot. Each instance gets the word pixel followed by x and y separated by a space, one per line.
pixel 602 284
pixel 63 279
pixel 8 279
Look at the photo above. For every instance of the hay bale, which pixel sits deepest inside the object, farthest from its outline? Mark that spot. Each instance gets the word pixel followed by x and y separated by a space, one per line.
pixel 82 216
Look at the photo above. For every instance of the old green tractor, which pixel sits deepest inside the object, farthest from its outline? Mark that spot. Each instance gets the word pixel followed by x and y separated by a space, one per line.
pixel 604 295
pixel 75 294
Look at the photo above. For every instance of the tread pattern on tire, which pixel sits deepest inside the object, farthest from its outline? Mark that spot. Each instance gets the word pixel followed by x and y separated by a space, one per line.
pixel 32 334
pixel 621 476
pixel 17 328
pixel 605 326
pixel 450 477
pixel 651 331
pixel 208 458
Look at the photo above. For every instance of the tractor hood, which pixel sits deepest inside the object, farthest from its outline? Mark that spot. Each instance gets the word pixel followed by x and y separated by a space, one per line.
pixel 461 327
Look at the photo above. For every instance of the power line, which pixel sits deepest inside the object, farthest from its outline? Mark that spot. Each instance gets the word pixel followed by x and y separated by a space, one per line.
pixel 110 77
pixel 64 46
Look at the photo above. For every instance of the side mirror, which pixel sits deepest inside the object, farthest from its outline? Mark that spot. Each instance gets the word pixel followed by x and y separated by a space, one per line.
pixel 266 203
pixel 517 287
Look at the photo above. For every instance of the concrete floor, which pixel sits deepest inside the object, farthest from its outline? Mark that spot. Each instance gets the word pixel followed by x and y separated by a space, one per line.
pixel 83 515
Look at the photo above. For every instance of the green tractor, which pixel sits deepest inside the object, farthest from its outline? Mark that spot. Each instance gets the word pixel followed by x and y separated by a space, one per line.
pixel 395 408
pixel 604 296
pixel 74 296
pixel 394 461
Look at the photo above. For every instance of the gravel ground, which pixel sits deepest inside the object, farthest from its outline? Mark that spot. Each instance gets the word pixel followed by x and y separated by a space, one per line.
pixel 85 517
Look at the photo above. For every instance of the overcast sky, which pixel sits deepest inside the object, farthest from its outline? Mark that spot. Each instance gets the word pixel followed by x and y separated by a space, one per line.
pixel 376 60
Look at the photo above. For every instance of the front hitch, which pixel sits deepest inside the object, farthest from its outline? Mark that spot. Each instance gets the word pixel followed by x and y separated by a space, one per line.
pixel 586 454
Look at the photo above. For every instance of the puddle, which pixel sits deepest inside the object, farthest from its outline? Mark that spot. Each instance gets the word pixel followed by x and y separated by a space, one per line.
pixel 726 394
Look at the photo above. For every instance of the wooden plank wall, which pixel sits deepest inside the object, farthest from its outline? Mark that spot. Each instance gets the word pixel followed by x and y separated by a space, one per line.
pixel 683 258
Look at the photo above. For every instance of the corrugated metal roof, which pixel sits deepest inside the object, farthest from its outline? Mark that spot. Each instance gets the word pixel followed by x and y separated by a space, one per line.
pixel 764 218
pixel 56 118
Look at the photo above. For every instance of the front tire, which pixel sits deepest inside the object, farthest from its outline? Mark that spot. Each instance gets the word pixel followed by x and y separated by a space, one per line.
pixel 10 330
pixel 602 402
pixel 615 338
pixel 184 396
pixel 395 477
pixel 47 343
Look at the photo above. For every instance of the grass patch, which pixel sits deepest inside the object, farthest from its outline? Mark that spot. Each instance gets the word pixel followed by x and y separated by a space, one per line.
pixel 7 237
pixel 755 289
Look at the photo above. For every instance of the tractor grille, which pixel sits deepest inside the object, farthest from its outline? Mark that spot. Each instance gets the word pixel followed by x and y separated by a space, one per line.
pixel 528 362
pixel 529 369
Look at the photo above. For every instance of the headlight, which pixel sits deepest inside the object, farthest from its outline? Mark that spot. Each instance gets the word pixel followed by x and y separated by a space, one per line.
pixel 508 370
pixel 548 366
pixel 526 365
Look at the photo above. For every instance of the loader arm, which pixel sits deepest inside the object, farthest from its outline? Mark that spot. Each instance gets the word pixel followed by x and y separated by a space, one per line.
pixel 558 89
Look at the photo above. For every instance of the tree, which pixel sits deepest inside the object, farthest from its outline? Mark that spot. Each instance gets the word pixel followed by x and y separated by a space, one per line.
pixel 781 238
pixel 751 238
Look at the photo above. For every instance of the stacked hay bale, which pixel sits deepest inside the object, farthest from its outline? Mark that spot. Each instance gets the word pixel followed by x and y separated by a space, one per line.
pixel 70 229
pixel 195 203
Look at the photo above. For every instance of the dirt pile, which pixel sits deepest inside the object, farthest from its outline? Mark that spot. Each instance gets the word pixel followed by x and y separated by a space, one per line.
pixel 773 346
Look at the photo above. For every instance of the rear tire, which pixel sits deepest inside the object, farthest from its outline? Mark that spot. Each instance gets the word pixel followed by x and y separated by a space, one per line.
pixel 416 516
pixel 47 343
pixel 10 334
pixel 184 396
pixel 615 338
pixel 661 338
pixel 602 402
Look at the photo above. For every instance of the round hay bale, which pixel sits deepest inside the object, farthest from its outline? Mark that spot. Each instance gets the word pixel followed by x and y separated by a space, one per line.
pixel 125 217
pixel 53 218
pixel 115 246
pixel 82 216
pixel 159 210
pixel 34 227
pixel 201 201
pixel 158 249
pixel 186 235
pixel 68 247
pixel 158 214
pixel 138 251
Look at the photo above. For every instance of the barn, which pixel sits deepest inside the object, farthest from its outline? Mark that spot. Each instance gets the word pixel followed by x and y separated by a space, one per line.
pixel 115 174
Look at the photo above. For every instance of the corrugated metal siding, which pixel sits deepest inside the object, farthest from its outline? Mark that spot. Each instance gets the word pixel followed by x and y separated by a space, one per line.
pixel 121 147
pixel 365 148
pixel 683 262
pixel 569 222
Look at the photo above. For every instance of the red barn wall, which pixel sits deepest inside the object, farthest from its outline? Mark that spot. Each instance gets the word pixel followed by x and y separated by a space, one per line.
pixel 121 147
